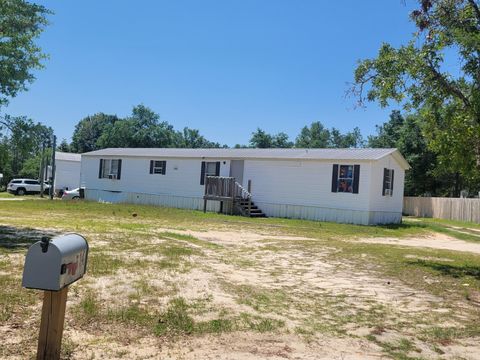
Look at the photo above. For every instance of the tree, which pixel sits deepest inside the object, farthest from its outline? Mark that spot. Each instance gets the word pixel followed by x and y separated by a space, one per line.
pixel 415 75
pixel 388 134
pixel 142 129
pixel 352 139
pixel 315 136
pixel 193 139
pixel 21 141
pixel 88 131
pixel 422 178
pixel 405 134
pixel 318 136
pixel 21 22
pixel 64 146
pixel 260 139
pixel 281 140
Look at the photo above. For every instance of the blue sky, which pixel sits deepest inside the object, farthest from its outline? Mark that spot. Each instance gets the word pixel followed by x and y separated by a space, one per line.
pixel 225 67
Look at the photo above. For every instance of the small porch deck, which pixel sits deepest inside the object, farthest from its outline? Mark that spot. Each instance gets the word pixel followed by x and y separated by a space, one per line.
pixel 227 189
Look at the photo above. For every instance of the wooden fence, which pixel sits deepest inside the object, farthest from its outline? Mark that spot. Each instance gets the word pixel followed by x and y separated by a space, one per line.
pixel 443 208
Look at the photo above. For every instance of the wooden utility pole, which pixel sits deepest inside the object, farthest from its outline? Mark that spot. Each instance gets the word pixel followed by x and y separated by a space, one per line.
pixel 51 326
pixel 52 182
pixel 249 189
pixel 42 171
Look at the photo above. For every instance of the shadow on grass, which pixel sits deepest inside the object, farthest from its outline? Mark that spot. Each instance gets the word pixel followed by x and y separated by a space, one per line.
pixel 402 226
pixel 456 271
pixel 17 238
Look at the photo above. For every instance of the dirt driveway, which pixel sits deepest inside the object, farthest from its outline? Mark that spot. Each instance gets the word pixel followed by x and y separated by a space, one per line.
pixel 171 284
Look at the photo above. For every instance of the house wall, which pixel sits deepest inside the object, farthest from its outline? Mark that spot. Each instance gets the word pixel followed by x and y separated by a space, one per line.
pixel 179 187
pixel 306 183
pixel 67 174
pixel 386 209
pixel 281 188
pixel 303 189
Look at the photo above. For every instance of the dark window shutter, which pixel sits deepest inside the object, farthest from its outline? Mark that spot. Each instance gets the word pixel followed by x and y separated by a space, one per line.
pixel 356 178
pixel 119 171
pixel 151 166
pixel 164 167
pixel 217 169
pixel 202 174
pixel 385 174
pixel 100 168
pixel 391 191
pixel 335 178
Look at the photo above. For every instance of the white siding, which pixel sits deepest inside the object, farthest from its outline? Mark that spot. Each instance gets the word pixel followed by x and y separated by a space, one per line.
pixel 182 177
pixel 281 188
pixel 386 207
pixel 304 183
pixel 67 174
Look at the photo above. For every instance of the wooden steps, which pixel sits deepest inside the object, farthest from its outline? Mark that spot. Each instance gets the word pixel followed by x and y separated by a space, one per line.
pixel 242 205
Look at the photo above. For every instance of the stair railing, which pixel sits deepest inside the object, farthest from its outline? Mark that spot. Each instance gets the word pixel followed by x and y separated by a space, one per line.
pixel 219 187
pixel 244 194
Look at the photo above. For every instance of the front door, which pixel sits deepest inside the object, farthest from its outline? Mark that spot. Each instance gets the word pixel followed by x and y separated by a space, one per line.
pixel 236 170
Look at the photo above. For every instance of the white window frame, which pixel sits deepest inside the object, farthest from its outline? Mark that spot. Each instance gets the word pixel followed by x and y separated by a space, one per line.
pixel 339 178
pixel 158 170
pixel 108 170
pixel 214 164
pixel 388 183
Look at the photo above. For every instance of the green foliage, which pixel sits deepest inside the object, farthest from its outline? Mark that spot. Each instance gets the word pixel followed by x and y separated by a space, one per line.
pixel 88 131
pixel 261 139
pixel 175 320
pixel 414 75
pixel 64 146
pixel 405 133
pixel 21 22
pixel 142 129
pixel 20 146
pixel 315 136
pixel 318 136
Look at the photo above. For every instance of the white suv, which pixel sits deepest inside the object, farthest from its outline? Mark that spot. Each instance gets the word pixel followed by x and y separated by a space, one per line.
pixel 25 186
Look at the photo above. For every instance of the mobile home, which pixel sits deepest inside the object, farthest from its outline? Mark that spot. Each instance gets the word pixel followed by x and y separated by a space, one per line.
pixel 360 186
pixel 67 171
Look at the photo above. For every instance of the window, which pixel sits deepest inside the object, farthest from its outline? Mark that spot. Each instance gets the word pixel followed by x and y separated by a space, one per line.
pixel 388 176
pixel 209 168
pixel 158 167
pixel 110 169
pixel 345 178
pixel 32 182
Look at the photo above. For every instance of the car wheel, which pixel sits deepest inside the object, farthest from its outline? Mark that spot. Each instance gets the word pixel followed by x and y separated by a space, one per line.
pixel 76 198
pixel 21 191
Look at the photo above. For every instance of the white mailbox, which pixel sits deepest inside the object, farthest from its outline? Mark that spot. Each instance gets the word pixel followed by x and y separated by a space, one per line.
pixel 52 264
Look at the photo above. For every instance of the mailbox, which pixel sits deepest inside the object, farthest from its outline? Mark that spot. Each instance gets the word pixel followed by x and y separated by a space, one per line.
pixel 52 264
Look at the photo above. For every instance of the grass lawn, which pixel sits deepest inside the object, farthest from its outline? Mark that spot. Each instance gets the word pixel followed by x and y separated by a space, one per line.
pixel 5 194
pixel 183 284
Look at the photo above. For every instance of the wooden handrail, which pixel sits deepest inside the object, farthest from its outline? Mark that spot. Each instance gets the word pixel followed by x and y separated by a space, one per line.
pixel 222 188
pixel 219 187
pixel 241 192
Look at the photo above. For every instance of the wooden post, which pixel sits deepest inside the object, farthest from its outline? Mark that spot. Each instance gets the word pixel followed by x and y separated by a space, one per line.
pixel 249 189
pixel 205 195
pixel 52 183
pixel 51 327
pixel 42 178
pixel 232 190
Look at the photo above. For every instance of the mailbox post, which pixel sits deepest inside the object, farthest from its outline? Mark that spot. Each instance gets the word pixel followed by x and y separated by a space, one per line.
pixel 52 265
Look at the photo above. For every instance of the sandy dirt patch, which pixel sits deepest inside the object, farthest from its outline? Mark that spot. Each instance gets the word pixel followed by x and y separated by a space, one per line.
pixel 239 346
pixel 434 241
